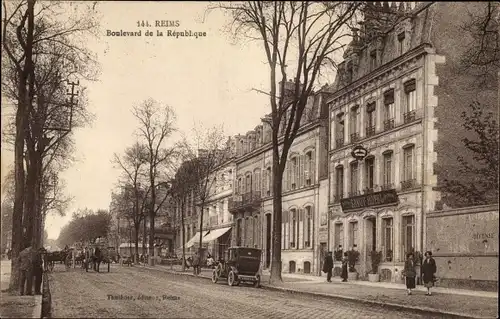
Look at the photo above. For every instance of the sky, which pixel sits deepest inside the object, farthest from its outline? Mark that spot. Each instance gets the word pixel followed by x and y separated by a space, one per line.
pixel 207 81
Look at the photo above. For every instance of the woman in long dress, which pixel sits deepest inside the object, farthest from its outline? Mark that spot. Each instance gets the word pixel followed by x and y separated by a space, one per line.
pixel 428 271
pixel 410 273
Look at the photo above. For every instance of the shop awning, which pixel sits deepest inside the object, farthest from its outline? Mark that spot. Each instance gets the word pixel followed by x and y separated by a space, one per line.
pixel 214 234
pixel 195 239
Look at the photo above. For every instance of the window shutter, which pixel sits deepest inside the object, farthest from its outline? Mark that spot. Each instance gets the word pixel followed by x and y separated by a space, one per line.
pixel 301 170
pixel 300 239
pixel 285 178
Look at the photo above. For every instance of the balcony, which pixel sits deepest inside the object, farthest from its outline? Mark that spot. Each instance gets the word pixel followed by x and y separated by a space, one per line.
pixel 409 184
pixel 386 187
pixel 248 201
pixel 388 124
pixel 409 117
pixel 354 137
pixel 370 131
pixel 339 142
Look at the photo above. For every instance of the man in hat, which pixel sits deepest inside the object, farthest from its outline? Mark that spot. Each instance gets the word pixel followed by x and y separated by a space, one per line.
pixel 25 259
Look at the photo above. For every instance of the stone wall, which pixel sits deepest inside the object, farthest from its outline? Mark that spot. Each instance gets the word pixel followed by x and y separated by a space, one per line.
pixel 464 243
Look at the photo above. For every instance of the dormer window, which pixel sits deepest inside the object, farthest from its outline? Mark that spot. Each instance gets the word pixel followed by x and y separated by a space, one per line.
pixel 401 41
pixel 373 60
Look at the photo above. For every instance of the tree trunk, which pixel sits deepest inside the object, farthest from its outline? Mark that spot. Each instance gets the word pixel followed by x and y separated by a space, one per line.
pixel 144 238
pixel 183 240
pixel 29 204
pixel 136 228
pixel 37 225
pixel 152 211
pixel 277 220
pixel 21 121
pixel 200 248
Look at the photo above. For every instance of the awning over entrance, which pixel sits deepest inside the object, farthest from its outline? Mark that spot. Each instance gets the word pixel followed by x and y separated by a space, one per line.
pixel 195 239
pixel 214 234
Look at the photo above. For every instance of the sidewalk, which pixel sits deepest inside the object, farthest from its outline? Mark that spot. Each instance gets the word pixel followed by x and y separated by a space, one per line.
pixel 453 302
pixel 15 306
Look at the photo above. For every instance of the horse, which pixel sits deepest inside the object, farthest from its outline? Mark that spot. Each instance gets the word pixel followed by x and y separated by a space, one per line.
pixel 96 258
pixel 56 256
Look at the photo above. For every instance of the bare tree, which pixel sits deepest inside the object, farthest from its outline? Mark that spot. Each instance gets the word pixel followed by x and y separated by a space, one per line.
pixel 32 37
pixel 156 126
pixel 482 54
pixel 209 151
pixel 133 165
pixel 299 38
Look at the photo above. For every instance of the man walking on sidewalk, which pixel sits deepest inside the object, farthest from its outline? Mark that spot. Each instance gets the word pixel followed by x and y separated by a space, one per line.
pixel 26 271
pixel 196 263
pixel 328 266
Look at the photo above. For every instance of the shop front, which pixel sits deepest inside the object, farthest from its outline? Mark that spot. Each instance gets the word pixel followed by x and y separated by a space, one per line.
pixel 218 241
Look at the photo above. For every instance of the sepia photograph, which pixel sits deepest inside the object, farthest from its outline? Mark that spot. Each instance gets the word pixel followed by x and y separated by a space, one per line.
pixel 249 159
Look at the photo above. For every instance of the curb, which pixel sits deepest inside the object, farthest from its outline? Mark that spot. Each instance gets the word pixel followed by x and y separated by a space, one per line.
pixel 422 310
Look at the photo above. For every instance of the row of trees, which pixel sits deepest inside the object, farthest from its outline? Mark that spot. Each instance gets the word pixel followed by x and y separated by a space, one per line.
pixel 153 168
pixel 85 226
pixel 43 51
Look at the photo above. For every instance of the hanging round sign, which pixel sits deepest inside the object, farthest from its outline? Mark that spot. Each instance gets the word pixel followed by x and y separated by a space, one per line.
pixel 359 152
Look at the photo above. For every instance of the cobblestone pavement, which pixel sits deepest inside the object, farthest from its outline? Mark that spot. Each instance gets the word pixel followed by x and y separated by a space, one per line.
pixel 76 293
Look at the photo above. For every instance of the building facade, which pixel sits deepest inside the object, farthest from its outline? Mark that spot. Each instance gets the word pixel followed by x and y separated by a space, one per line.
pixel 387 101
pixel 301 196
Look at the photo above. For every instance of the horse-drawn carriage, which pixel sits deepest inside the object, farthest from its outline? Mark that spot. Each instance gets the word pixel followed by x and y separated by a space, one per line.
pixel 95 255
pixel 241 264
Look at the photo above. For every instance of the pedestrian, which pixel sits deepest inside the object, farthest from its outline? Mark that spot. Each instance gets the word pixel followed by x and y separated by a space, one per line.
pixel 26 271
pixel 328 266
pixel 409 272
pixel 344 267
pixel 196 264
pixel 428 272
pixel 38 269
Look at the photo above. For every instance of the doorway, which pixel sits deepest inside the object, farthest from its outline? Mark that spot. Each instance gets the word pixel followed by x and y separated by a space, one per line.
pixel 371 239
pixel 268 239
pixel 322 255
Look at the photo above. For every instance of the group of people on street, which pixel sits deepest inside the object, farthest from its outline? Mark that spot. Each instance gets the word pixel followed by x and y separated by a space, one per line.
pixel 31 267
pixel 428 270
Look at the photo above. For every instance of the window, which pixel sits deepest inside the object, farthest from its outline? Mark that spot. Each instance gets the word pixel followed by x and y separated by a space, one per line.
pixel 373 60
pixel 339 235
pixel 308 228
pixel 370 119
pixel 339 134
pixel 387 239
pixel 408 234
pixel 353 234
pixel 354 179
pixel 401 42
pixel 354 124
pixel 255 231
pixel 387 179
pixel 410 101
pixel 339 183
pixel 248 188
pixel 369 174
pixel 389 110
pixel 256 184
pixel 268 181
pixel 293 228
pixel 293 173
pixel 408 167
pixel 349 72
pixel 308 168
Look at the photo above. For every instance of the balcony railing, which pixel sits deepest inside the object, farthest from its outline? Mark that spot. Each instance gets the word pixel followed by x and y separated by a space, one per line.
pixel 409 117
pixel 370 131
pixel 386 187
pixel 245 200
pixel 408 184
pixel 388 124
pixel 339 142
pixel 354 137
pixel 369 190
